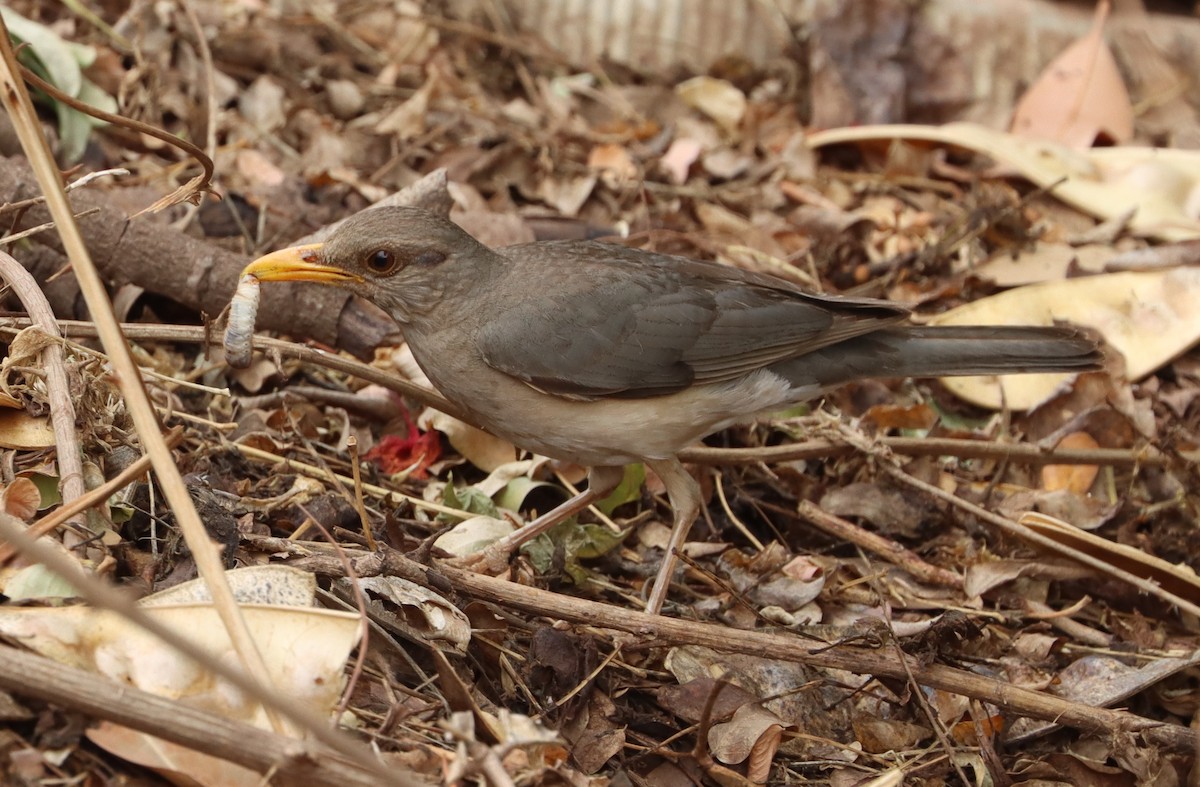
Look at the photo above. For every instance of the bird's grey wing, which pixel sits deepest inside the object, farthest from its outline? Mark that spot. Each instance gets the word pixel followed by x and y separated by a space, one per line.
pixel 637 329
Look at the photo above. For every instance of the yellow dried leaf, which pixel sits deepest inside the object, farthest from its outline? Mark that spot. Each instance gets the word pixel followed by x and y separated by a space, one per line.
pixel 1150 318
pixel 21 431
pixel 1160 185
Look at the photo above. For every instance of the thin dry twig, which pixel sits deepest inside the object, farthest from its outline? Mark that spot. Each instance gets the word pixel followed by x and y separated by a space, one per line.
pixel 16 100
pixel 102 596
pixel 889 466
pixel 26 674
pixel 58 388
pixel 886 548
pixel 659 631
pixel 92 498
pixel 192 190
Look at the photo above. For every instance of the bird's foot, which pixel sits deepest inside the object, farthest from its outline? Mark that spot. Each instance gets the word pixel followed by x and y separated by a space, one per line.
pixel 491 560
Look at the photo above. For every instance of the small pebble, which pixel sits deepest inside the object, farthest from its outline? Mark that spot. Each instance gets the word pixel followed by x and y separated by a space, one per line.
pixel 345 98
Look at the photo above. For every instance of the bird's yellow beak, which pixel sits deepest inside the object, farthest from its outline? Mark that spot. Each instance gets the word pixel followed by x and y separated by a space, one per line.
pixel 298 263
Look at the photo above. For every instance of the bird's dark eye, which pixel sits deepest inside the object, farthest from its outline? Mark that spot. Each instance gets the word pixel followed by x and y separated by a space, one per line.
pixel 381 261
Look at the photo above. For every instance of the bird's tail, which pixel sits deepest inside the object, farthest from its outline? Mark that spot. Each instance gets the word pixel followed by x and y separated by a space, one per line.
pixel 945 351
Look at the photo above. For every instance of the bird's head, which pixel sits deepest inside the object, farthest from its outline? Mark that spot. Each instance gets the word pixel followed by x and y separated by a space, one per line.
pixel 402 259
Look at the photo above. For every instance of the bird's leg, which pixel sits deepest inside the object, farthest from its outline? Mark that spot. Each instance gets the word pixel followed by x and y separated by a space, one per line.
pixel 684 494
pixel 601 482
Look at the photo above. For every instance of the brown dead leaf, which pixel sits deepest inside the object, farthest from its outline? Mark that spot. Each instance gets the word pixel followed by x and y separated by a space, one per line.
pixel 893 416
pixel 1179 580
pixel 179 764
pixel 884 735
pixel 734 741
pixel 21 499
pixel 1073 478
pixel 890 510
pixel 613 162
pixel 967 732
pixel 1080 98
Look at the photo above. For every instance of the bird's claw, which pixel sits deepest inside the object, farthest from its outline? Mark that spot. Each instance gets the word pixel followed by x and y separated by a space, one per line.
pixel 492 560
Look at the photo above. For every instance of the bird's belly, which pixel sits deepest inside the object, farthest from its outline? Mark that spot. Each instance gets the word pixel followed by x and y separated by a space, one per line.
pixel 617 431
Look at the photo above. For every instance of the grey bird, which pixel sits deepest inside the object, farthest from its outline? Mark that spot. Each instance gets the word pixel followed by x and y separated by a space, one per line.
pixel 602 355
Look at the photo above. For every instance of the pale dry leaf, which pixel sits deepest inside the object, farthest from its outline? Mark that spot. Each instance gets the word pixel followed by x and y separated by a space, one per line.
pixel 1032 645
pixel 1080 97
pixel 1047 262
pixel 408 120
pixel 304 649
pixel 1102 681
pixel 1161 184
pixel 480 448
pixel 717 98
pixel 424 616
pixel 254 376
pixel 473 535
pixel 267 584
pixel 984 575
pixel 884 735
pixel 1149 318
pixel 34 582
pixel 566 194
pixel 262 104
pixel 725 163
pixel 26 347
pixel 733 741
pixel 679 158
pixel 258 170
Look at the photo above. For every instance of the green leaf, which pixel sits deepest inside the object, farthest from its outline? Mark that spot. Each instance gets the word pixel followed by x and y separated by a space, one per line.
pixel 48 487
pixel 627 491
pixel 579 542
pixel 468 499
pixel 38 582
pixel 58 60
pixel 60 63
pixel 513 495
